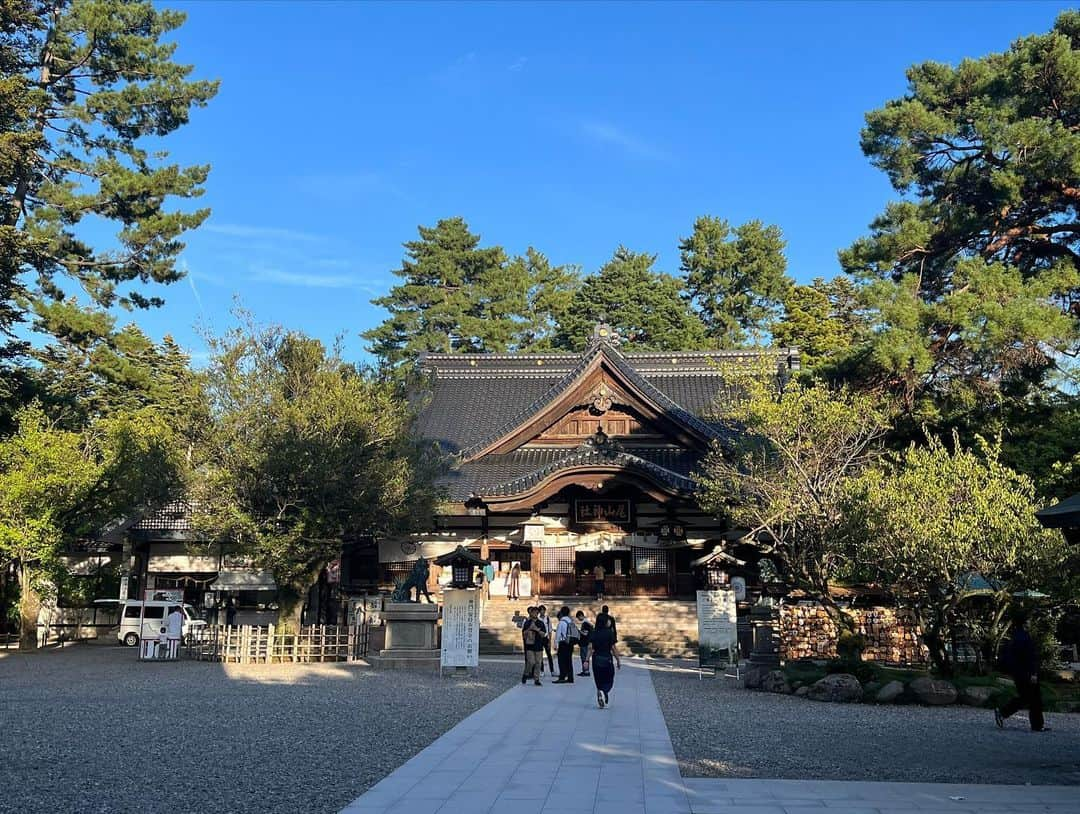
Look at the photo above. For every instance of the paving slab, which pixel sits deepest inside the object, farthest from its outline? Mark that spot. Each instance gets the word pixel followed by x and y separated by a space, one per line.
pixel 552 750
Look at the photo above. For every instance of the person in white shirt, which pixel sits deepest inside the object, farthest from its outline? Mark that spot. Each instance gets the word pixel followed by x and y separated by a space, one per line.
pixel 565 638
pixel 174 626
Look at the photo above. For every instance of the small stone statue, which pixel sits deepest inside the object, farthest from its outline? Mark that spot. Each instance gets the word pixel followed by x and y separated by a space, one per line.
pixel 417 579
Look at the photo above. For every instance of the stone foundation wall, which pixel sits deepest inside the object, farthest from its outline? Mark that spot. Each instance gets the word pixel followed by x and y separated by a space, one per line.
pixel 891 635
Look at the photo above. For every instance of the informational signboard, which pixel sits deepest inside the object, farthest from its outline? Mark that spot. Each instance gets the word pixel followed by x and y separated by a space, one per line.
pixel 718 639
pixel 602 513
pixel 461 628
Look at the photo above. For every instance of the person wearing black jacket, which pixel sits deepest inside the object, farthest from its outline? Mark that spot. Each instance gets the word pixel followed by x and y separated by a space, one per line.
pixel 1021 659
pixel 584 627
pixel 533 634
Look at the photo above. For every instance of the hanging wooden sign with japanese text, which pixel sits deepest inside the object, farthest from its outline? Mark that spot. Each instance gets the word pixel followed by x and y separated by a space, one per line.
pixel 460 628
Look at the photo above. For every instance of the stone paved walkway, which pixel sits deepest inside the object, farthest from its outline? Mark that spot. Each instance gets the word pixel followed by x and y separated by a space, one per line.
pixel 550 750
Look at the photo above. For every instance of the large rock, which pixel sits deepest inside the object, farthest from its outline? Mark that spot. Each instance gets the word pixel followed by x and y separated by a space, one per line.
pixel 890 692
pixel 841 687
pixel 976 696
pixel 933 691
pixel 802 692
pixel 754 675
pixel 776 681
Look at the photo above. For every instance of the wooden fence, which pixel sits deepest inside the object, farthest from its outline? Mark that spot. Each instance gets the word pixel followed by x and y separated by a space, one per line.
pixel 256 644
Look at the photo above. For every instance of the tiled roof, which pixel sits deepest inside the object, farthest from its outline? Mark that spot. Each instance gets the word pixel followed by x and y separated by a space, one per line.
pixel 175 516
pixel 476 398
pixel 516 471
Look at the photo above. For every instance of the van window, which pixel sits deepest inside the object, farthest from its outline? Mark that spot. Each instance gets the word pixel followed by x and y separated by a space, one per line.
pixel 154 612
pixel 131 612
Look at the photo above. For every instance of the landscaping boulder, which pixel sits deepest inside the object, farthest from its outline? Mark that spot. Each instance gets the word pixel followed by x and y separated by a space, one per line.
pixel 890 692
pixel 933 691
pixel 976 696
pixel 802 692
pixel 870 688
pixel 754 675
pixel 776 681
pixel 841 687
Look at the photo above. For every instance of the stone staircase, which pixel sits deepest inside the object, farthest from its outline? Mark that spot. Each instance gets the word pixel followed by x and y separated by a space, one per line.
pixel 658 627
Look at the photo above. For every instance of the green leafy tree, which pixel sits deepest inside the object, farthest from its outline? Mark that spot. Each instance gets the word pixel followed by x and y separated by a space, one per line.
pixel 57 484
pixel 736 277
pixel 786 478
pixel 644 306
pixel 84 85
pixel 455 297
pixel 973 278
pixel 929 521
pixel 551 291
pixel 305 451
pixel 823 319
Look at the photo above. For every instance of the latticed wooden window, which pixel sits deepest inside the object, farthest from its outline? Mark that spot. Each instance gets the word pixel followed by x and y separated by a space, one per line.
pixel 557 560
pixel 650 561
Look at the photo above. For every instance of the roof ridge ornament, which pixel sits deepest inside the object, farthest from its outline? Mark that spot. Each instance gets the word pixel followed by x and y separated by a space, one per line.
pixel 604 333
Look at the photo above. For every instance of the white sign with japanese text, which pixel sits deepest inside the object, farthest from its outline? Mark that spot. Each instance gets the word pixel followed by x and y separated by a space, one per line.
pixel 460 628
pixel 717 632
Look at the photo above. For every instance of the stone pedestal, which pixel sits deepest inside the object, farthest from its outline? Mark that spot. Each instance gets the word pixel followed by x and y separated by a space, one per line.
pixel 412 636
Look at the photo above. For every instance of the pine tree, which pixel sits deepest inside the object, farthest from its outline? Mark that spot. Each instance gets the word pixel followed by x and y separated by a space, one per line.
pixel 644 306
pixel 83 84
pixel 455 297
pixel 551 290
pixel 736 278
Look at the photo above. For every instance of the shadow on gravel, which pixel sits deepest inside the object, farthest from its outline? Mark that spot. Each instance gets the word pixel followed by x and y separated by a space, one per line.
pixel 89 728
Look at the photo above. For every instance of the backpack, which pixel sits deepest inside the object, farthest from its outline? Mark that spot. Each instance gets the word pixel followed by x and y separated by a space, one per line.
pixel 530 637
pixel 572 634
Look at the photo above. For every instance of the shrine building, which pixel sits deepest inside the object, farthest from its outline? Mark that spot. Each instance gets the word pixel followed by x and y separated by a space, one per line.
pixel 561 462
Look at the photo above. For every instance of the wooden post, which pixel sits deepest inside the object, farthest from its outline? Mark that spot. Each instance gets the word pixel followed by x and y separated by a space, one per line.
pixel 270 644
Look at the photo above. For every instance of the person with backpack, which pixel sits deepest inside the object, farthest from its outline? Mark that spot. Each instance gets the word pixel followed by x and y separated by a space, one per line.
pixel 585 628
pixel 566 636
pixel 1021 659
pixel 533 636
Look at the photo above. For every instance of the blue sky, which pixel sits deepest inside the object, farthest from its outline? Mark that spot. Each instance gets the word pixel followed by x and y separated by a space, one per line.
pixel 340 127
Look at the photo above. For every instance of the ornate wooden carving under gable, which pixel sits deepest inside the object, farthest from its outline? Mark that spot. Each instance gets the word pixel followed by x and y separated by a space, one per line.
pixel 616 422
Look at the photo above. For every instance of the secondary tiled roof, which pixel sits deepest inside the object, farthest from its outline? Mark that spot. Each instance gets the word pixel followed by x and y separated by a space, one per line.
pixel 515 471
pixel 175 516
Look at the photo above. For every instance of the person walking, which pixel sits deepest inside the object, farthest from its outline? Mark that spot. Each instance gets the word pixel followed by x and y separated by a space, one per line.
pixel 584 628
pixel 533 634
pixel 547 639
pixel 230 613
pixel 515 581
pixel 1021 659
pixel 599 574
pixel 605 659
pixel 565 635
pixel 489 577
pixel 614 622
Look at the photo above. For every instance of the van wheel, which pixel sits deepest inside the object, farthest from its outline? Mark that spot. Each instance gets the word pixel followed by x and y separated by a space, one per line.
pixel 131 639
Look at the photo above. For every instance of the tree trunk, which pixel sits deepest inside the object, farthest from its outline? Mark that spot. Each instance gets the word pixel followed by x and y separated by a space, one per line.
pixel 29 608
pixel 291 599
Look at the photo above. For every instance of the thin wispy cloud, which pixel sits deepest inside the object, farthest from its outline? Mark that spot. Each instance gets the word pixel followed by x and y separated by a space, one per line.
pixel 261 232
pixel 629 143
pixel 302 279
pixel 517 64
pixel 194 289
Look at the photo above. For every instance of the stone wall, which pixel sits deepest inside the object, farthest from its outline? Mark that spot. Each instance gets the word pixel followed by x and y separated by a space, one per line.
pixel 891 635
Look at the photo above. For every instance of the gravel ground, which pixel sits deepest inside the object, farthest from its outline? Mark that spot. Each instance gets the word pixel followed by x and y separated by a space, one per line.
pixel 721 730
pixel 89 729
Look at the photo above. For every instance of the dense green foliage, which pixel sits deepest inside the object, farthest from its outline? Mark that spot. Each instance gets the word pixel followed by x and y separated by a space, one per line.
pixel 644 306
pixel 973 279
pixel 58 484
pixel 305 451
pixel 823 320
pixel 786 479
pixel 83 84
pixel 736 277
pixel 932 520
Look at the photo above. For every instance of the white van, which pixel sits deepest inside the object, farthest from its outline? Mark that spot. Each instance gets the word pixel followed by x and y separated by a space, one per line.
pixel 153 614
